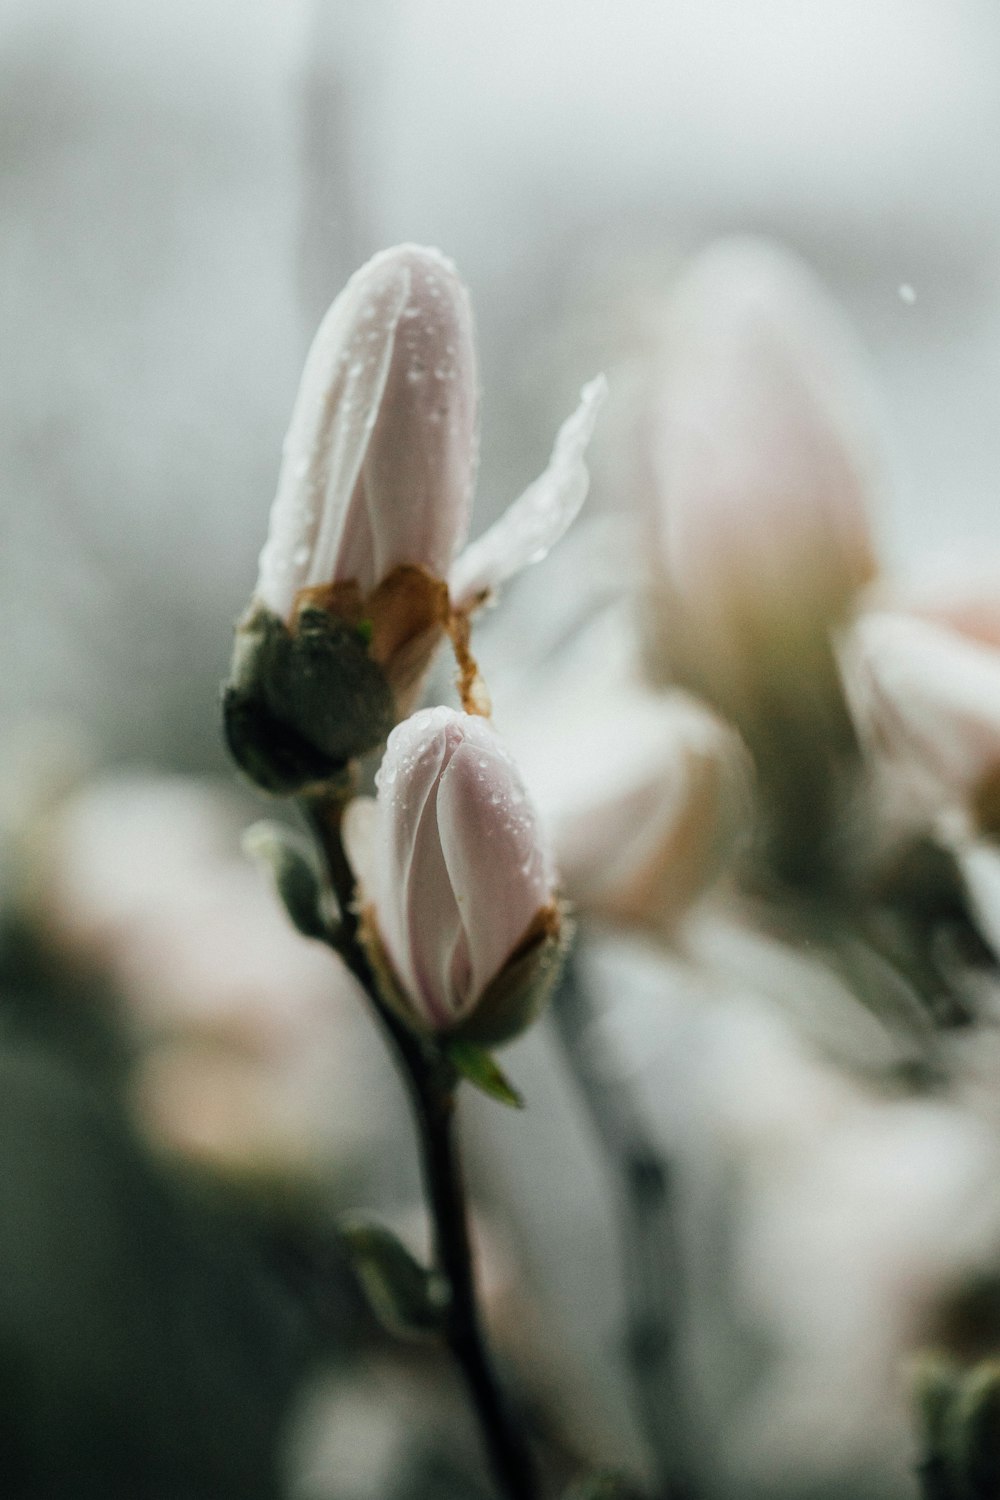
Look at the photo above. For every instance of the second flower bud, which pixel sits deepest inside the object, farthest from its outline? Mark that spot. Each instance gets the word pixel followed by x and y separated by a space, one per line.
pixel 458 890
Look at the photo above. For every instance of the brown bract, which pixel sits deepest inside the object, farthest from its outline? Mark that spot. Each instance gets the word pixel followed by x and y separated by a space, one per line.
pixel 510 1002
pixel 403 618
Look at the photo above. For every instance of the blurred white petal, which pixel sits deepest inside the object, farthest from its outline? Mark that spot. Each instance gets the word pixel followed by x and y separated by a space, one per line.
pixel 926 694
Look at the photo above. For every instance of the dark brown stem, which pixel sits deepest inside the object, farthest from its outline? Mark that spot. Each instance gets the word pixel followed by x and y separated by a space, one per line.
pixel 431 1083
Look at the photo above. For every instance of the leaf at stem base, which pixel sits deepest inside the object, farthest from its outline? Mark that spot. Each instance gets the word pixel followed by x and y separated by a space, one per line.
pixel 482 1069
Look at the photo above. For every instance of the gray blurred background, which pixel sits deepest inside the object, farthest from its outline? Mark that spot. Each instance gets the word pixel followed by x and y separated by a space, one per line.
pixel 186 187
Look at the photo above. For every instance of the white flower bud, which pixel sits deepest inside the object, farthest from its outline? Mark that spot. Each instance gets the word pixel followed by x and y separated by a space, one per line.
pixel 927 696
pixel 461 896
pixel 380 456
pixel 357 583
pixel 373 498
pixel 760 483
pixel 649 807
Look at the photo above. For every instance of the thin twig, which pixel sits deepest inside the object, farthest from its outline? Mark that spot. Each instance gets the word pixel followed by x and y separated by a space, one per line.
pixel 431 1083
pixel 654 1283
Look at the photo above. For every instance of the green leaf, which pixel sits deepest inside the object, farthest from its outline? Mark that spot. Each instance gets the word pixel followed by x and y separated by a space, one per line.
pixel 482 1069
pixel 407 1299
pixel 288 858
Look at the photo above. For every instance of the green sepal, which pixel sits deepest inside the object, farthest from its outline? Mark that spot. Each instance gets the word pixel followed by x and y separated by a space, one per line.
pixel 481 1068
pixel 288 857
pixel 407 1299
pixel 299 704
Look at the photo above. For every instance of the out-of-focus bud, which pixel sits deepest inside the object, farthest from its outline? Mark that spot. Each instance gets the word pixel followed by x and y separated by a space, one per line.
pixel 646 811
pixel 760 484
pixel 929 698
pixel 373 499
pixel 958 590
pixel 459 901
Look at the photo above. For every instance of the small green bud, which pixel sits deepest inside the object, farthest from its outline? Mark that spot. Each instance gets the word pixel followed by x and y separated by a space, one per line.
pixel 300 704
pixel 288 857
pixel 407 1299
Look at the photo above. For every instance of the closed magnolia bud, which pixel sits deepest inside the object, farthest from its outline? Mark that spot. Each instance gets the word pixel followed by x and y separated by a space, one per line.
pixel 461 916
pixel 648 809
pixel 379 460
pixel 759 489
pixel 975 1433
pixel 373 499
pixel 959 589
pixel 928 697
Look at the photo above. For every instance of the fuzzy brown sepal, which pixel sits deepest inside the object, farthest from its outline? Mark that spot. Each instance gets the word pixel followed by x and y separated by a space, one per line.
pixel 402 621
pixel 510 1002
pixel 517 996
pixel 304 700
pixel 299 705
pixel 389 988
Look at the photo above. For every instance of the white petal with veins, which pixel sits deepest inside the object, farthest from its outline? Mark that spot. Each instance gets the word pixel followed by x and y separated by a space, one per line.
pixel 532 525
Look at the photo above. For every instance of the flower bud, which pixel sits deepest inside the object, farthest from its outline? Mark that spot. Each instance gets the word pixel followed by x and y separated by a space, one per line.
pixel 760 486
pixel 461 916
pixel 373 499
pixel 959 590
pixel 650 807
pixel 928 697
pixel 380 456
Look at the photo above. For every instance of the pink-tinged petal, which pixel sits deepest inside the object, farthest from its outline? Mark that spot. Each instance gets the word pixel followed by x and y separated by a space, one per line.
pixel 760 466
pixel 653 800
pixel 533 523
pixel 496 862
pixel 420 468
pixel 332 423
pixel 926 694
pixel 380 457
pixel 460 869
pixel 961 591
pixel 409 907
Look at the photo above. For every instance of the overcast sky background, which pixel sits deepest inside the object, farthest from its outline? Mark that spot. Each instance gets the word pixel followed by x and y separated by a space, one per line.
pixel 186 187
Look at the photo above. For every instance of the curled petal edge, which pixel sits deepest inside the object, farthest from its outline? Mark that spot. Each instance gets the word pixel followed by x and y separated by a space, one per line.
pixel 536 520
